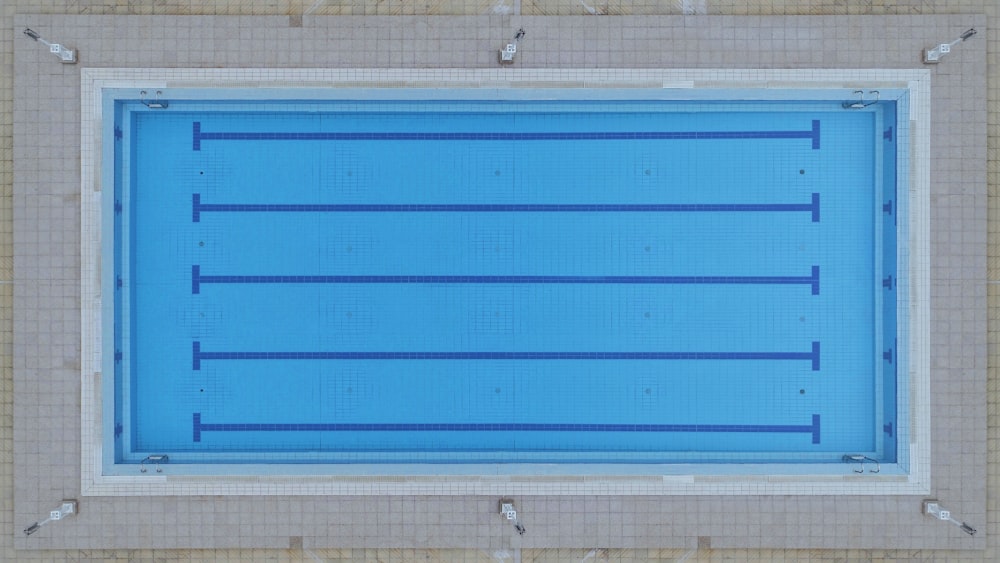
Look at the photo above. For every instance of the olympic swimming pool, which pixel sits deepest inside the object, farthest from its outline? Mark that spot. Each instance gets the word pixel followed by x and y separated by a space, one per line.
pixel 509 281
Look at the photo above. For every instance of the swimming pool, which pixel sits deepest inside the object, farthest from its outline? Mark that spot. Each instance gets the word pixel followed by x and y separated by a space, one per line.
pixel 502 280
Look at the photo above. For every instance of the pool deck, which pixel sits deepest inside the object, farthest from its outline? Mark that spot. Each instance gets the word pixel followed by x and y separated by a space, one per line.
pixel 40 433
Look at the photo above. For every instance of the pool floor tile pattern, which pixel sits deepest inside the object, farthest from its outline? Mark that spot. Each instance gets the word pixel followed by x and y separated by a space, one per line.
pixel 591 521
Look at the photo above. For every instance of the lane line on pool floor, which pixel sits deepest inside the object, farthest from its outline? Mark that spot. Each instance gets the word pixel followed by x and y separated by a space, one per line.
pixel 198 279
pixel 199 356
pixel 199 136
pixel 200 427
pixel 198 208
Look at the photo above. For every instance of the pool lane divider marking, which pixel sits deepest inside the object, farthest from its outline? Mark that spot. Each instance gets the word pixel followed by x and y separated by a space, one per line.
pixel 201 427
pixel 812 280
pixel 198 136
pixel 197 207
pixel 199 356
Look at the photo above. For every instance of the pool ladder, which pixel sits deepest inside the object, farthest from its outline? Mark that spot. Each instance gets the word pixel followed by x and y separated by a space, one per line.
pixel 861 103
pixel 155 103
pixel 860 460
pixel 156 460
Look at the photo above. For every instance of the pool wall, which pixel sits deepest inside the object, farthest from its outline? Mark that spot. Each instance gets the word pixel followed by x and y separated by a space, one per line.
pixel 120 357
pixel 47 377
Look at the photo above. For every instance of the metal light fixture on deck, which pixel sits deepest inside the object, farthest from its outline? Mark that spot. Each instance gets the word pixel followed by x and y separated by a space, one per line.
pixel 68 507
pixel 67 56
pixel 933 508
pixel 933 56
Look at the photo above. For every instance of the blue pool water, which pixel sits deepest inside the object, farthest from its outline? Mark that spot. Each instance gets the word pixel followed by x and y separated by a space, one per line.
pixel 504 281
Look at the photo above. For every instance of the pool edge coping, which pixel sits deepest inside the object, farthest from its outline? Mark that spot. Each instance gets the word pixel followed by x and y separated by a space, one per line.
pixel 917 482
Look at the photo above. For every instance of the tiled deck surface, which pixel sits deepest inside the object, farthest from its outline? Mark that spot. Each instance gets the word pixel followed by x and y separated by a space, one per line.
pixel 465 528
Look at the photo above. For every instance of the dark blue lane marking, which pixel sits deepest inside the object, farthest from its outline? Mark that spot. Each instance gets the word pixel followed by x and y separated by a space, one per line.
pixel 199 136
pixel 200 427
pixel 812 280
pixel 198 356
pixel 197 207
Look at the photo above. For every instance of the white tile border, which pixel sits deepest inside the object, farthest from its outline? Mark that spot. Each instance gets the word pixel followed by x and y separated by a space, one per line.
pixel 93 483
